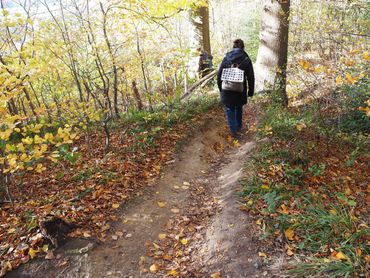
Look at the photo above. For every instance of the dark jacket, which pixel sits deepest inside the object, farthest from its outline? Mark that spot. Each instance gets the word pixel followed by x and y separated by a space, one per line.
pixel 237 56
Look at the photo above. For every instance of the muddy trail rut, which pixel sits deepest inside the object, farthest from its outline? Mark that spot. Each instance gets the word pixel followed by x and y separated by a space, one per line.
pixel 186 224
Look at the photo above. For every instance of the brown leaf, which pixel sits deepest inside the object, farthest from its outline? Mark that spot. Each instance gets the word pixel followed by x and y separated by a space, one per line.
pixel 50 255
pixel 162 204
pixel 216 275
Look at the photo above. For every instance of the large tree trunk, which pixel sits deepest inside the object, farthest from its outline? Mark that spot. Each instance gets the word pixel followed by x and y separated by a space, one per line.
pixel 200 37
pixel 200 21
pixel 273 50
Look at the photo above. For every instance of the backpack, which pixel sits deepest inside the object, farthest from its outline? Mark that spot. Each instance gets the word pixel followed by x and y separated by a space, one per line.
pixel 233 78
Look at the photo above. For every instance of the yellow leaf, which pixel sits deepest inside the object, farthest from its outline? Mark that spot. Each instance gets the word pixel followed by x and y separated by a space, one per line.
pixel 349 63
pixel 305 64
pixel 350 78
pixel 265 186
pixel 172 272
pixel 184 241
pixel 236 144
pixel 259 222
pixel 348 191
pixel 289 233
pixel 339 80
pixel 115 206
pixel 32 253
pixel 162 236
pixel 333 212
pixel 366 56
pixel 340 256
pixel 45 248
pixel 300 126
pixel 250 202
pixel 40 168
pixel 162 204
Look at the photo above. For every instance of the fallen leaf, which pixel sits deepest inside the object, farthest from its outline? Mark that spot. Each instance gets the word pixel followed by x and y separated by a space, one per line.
pixel 63 263
pixel 50 255
pixel 156 246
pixel 86 234
pixel 339 80
pixel 162 204
pixel 114 237
pixel 154 268
pixel 45 248
pixel 263 255
pixel 300 126
pixel 216 275
pixel 185 187
pixel 172 272
pixel 340 256
pixel 284 209
pixel 259 222
pixel 115 206
pixel 141 261
pixel 289 250
pixel 358 252
pixel 186 183
pixel 119 233
pixel 333 212
pixel 32 253
pixel 289 233
pixel 175 210
pixel 162 236
pixel 236 144
pixel 176 187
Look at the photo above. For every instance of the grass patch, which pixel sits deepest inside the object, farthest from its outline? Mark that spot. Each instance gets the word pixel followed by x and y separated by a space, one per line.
pixel 305 186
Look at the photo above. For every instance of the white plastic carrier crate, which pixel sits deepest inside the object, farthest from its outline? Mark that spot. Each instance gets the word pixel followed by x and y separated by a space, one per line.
pixel 232 74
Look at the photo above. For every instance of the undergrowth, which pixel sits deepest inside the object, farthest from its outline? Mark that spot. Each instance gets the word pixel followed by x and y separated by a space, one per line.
pixel 309 185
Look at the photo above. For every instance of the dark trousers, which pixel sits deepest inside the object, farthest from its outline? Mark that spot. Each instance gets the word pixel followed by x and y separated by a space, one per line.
pixel 234 115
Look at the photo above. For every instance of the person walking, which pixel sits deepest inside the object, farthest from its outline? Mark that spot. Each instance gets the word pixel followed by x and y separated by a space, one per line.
pixel 235 97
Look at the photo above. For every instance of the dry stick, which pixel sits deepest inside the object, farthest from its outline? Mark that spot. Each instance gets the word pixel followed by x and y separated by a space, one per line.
pixel 107 134
pixel 7 182
pixel 201 82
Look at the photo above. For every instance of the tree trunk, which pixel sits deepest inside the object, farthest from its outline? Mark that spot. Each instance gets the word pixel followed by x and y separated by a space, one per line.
pixel 135 90
pixel 273 50
pixel 200 38
pixel 200 21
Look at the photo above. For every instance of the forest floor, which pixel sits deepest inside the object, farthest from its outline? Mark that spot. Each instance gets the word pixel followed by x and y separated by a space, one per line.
pixel 188 223
pixel 191 202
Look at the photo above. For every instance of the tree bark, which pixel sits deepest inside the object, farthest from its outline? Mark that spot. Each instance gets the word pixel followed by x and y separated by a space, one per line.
pixel 273 51
pixel 200 21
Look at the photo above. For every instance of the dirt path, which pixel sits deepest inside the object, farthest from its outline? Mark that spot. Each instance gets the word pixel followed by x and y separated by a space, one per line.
pixel 229 246
pixel 225 244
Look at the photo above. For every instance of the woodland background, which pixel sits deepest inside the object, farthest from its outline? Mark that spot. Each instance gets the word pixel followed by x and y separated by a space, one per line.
pixel 82 79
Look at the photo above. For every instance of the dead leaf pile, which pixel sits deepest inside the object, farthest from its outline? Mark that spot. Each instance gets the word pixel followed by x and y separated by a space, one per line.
pixel 89 193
